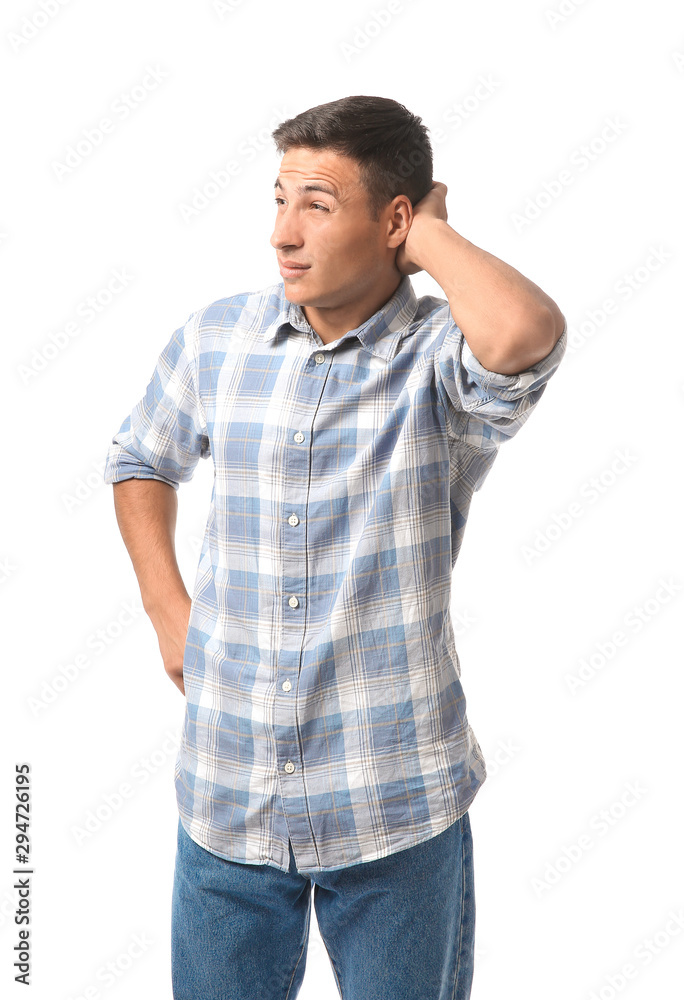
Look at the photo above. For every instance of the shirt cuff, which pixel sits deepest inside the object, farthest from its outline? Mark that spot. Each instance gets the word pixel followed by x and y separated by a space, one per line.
pixel 511 386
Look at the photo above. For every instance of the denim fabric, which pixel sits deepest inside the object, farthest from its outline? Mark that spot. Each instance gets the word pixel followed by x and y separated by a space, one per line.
pixel 398 928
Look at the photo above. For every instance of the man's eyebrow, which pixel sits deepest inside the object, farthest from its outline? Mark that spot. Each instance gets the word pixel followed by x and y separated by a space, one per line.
pixel 301 188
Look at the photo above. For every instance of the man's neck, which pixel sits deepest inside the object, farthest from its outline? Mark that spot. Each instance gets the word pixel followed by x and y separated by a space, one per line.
pixel 333 322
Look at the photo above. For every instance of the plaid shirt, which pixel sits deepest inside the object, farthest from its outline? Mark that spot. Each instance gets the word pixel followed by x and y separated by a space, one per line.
pixel 323 697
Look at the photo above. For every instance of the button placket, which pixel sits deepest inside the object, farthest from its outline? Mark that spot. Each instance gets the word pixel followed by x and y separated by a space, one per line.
pixel 293 558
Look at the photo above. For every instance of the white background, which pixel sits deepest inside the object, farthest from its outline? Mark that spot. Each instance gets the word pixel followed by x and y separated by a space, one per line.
pixel 553 918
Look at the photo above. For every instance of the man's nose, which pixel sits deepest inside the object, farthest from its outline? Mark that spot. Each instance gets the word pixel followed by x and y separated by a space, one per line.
pixel 285 233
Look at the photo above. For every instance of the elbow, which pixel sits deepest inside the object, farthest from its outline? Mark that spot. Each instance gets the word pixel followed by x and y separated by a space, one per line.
pixel 529 342
pixel 539 333
pixel 547 326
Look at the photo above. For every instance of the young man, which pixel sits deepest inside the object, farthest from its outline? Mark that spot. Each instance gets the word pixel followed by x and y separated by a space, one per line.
pixel 325 742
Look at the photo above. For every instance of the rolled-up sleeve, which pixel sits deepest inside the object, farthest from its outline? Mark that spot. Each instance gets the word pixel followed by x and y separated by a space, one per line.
pixel 484 407
pixel 165 434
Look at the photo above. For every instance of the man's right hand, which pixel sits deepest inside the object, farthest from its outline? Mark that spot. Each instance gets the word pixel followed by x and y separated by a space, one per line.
pixel 146 512
pixel 171 625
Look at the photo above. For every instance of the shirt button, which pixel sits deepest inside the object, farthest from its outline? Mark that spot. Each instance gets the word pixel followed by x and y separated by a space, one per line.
pixel 320 358
pixel 289 767
pixel 293 602
pixel 299 437
pixel 293 520
pixel 286 685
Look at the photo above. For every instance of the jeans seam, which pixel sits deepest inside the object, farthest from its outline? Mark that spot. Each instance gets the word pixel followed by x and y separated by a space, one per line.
pixel 460 921
pixel 303 948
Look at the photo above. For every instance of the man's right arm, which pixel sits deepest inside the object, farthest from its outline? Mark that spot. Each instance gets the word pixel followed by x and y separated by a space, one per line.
pixel 146 511
pixel 155 450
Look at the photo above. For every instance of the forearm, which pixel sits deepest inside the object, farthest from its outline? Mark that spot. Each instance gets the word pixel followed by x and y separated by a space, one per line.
pixel 146 511
pixel 508 322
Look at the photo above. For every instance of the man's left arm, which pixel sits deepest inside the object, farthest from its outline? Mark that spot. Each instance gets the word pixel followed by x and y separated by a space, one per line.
pixel 509 323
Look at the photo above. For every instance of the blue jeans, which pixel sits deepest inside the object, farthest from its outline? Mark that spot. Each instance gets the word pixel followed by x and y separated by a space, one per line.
pixel 399 928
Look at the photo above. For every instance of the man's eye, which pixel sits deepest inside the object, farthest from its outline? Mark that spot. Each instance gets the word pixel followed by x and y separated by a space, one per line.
pixel 314 204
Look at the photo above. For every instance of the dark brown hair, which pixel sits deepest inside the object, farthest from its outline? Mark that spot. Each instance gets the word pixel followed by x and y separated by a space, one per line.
pixel 390 145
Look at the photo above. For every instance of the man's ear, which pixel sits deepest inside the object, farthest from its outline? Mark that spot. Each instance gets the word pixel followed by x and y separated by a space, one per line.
pixel 399 219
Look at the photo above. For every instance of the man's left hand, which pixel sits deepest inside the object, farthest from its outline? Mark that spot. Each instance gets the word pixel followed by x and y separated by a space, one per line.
pixel 432 206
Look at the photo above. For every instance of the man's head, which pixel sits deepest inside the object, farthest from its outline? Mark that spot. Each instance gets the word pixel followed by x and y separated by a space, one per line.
pixel 377 159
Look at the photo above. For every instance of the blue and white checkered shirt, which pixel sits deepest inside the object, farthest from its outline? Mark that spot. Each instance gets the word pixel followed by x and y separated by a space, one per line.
pixel 323 696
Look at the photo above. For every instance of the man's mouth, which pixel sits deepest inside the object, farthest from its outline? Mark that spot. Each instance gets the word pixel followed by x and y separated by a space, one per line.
pixel 291 269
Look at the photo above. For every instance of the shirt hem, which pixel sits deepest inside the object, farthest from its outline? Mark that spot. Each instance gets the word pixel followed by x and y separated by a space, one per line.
pixel 460 812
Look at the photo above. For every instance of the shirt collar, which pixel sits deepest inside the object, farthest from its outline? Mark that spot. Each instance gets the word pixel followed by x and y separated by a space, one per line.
pixel 380 334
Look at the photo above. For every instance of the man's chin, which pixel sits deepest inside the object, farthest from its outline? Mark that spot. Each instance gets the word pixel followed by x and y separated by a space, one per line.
pixel 298 295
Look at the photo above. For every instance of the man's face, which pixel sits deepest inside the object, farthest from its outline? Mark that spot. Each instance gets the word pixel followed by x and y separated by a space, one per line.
pixel 331 231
